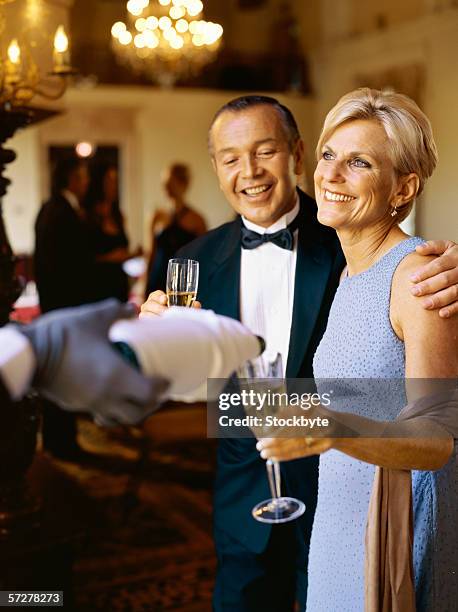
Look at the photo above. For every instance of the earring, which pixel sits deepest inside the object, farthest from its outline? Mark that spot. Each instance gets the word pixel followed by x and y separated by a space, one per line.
pixel 394 212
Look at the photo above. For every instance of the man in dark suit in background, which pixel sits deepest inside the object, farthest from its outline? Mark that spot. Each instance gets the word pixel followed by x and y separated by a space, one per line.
pixel 63 271
pixel 276 269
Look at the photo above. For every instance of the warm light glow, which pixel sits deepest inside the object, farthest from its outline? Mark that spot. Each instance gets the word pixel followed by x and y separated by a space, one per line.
pixel 84 149
pixel 139 41
pixel 212 32
pixel 168 42
pixel 60 40
pixel 125 38
pixel 194 8
pixel 151 40
pixel 182 26
pixel 152 22
pixel 14 52
pixel 140 24
pixel 165 23
pixel 177 42
pixel 170 34
pixel 135 7
pixel 177 11
pixel 117 28
pixel 198 40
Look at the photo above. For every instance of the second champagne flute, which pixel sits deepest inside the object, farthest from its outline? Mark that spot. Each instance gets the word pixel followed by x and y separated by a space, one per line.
pixel 182 282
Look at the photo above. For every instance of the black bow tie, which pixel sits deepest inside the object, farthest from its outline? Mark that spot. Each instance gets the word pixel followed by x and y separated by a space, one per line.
pixel 283 238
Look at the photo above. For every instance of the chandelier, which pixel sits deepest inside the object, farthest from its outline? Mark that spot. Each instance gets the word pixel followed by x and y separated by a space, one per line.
pixel 20 76
pixel 167 41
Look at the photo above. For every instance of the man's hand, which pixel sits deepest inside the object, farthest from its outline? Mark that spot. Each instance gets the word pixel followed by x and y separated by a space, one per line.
pixel 78 367
pixel 156 304
pixel 438 280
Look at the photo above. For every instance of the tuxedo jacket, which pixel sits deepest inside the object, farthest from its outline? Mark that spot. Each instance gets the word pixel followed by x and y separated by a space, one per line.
pixel 63 259
pixel 241 479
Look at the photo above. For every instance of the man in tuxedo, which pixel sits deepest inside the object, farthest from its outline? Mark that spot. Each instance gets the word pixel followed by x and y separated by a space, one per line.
pixel 276 269
pixel 63 271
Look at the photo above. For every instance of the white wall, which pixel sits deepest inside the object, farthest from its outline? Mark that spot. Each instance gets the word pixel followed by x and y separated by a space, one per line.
pixel 430 42
pixel 21 203
pixel 152 128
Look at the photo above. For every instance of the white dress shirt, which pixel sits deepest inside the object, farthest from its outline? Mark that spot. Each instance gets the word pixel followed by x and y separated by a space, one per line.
pixel 267 277
pixel 72 200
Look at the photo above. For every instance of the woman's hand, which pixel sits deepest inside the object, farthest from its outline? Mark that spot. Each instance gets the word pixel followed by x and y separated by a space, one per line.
pixel 285 449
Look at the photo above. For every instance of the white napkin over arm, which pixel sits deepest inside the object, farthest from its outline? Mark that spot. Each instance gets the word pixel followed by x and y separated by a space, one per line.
pixel 187 346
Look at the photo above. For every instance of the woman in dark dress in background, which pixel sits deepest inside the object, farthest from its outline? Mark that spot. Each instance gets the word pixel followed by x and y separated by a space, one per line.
pixel 172 230
pixel 108 237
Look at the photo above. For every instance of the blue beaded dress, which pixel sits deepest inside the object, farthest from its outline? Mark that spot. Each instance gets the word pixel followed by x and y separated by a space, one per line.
pixel 359 343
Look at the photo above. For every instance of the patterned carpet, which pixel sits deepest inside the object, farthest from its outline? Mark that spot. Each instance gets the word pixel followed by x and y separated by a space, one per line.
pixel 146 515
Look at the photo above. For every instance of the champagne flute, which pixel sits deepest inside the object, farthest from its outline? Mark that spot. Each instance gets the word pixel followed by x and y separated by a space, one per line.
pixel 278 508
pixel 182 282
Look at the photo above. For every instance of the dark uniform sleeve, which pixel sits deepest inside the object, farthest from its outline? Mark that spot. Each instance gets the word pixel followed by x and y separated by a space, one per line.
pixel 4 394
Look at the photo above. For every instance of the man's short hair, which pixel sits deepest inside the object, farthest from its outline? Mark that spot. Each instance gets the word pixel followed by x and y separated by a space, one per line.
pixel 242 103
pixel 63 170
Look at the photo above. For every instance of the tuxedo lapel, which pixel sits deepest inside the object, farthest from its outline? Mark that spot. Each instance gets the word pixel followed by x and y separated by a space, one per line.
pixel 224 275
pixel 313 268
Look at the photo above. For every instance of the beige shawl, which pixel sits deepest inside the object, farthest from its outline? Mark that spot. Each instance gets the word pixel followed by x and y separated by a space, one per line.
pixel 389 580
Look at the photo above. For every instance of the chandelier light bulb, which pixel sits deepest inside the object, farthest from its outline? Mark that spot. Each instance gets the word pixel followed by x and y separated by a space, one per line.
pixel 177 42
pixel 135 7
pixel 165 23
pixel 164 2
pixel 61 40
pixel 176 12
pixel 182 26
pixel 139 41
pixel 140 24
pixel 117 28
pixel 151 40
pixel 198 40
pixel 14 52
pixel 170 34
pixel 152 22
pixel 125 38
pixel 194 7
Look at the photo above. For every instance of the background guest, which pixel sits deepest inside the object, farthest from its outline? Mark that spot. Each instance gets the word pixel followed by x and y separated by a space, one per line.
pixel 172 230
pixel 63 263
pixel 108 237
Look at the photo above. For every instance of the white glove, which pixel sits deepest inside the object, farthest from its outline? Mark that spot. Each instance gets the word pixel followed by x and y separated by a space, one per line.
pixel 186 346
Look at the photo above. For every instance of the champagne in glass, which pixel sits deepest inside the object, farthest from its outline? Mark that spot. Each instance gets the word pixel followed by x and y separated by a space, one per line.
pixel 181 298
pixel 182 281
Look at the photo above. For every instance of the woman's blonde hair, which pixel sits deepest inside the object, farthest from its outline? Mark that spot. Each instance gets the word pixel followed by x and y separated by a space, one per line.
pixel 408 129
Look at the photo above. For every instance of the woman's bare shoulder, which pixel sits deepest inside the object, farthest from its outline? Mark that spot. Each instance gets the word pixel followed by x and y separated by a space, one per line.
pixel 431 341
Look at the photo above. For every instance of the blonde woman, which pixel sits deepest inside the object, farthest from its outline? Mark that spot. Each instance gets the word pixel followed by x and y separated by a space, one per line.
pixel 375 153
